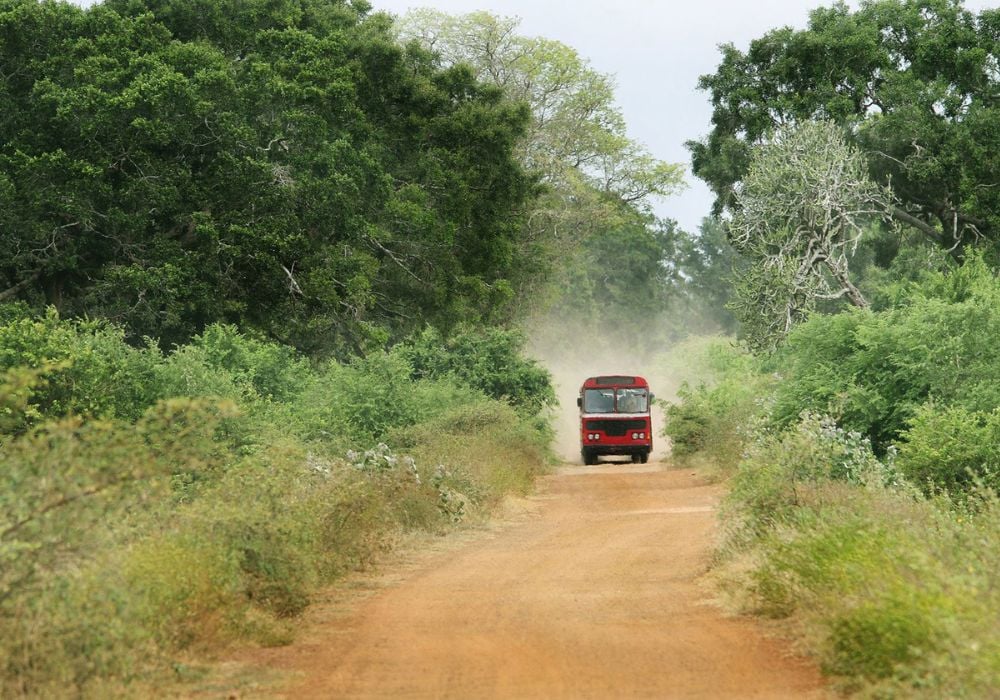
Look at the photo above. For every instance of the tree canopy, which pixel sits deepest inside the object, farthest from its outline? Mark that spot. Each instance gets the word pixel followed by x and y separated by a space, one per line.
pixel 282 165
pixel 597 183
pixel 576 133
pixel 914 82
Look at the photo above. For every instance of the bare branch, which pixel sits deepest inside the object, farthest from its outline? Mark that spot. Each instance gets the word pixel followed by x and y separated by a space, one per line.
pixel 293 286
pixel 20 286
pixel 803 208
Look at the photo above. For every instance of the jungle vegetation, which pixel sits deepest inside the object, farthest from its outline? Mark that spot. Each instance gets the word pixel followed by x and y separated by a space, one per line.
pixel 855 420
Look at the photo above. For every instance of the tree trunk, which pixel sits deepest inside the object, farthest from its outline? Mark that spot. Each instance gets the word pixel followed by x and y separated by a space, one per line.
pixel 19 287
pixel 853 293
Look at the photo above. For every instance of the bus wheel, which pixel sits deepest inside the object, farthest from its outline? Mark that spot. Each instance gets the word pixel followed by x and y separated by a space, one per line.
pixel 589 458
pixel 644 457
pixel 636 458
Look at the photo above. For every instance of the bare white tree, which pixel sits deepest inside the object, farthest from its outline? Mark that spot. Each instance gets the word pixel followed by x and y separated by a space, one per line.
pixel 802 210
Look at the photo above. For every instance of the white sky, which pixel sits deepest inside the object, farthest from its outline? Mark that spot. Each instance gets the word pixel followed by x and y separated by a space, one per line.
pixel 656 51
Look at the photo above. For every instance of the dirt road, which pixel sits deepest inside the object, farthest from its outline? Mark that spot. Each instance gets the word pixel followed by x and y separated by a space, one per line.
pixel 596 594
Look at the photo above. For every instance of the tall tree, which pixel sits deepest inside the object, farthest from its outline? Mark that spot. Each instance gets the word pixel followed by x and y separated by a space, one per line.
pixel 595 179
pixel 706 265
pixel 282 165
pixel 801 210
pixel 576 132
pixel 915 82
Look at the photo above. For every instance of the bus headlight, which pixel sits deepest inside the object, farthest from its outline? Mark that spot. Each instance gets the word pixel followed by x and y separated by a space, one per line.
pixel 635 436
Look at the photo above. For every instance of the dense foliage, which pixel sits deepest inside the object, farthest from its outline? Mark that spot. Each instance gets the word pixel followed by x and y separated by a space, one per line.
pixel 864 458
pixel 597 255
pixel 902 378
pixel 874 371
pixel 490 361
pixel 284 166
pixel 157 504
pixel 914 81
pixel 861 445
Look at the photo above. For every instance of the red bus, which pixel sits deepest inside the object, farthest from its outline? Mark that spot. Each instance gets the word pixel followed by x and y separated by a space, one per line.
pixel 614 418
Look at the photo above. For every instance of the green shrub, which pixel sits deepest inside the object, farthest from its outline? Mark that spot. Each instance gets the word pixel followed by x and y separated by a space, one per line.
pixel 853 564
pixel 272 371
pixel 180 590
pixel 188 371
pixel 489 360
pixel 952 448
pixel 75 491
pixel 64 479
pixel 716 417
pixel 893 591
pixel 356 403
pixel 874 639
pixel 17 386
pixel 779 470
pixel 74 638
pixel 90 370
pixel 159 503
pixel 482 451
pixel 873 371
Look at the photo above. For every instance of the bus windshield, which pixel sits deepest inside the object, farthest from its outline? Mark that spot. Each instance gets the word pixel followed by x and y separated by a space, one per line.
pixel 624 400
pixel 632 401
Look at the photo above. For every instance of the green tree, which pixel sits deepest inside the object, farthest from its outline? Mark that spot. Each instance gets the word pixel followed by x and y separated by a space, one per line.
pixel 706 265
pixel 282 166
pixel 619 282
pixel 595 179
pixel 491 362
pixel 913 81
pixel 576 132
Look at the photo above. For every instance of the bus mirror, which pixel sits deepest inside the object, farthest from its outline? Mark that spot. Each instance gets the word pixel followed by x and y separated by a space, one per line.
pixel 579 401
pixel 652 396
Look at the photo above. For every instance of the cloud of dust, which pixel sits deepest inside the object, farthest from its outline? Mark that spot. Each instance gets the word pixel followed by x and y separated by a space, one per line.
pixel 573 351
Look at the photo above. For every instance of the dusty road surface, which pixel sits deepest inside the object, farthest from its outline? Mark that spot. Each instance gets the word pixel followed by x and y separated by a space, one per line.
pixel 596 594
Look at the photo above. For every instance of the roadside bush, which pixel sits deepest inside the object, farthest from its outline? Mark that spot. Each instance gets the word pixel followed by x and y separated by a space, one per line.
pixel 890 585
pixel 179 589
pixel 890 589
pixel 875 638
pixel 90 370
pixel 64 478
pixel 873 371
pixel 779 470
pixel 73 491
pixel 205 499
pixel 716 417
pixel 482 451
pixel 358 403
pixel 74 638
pixel 893 592
pixel 292 529
pixel 489 360
pixel 270 371
pixel 952 448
